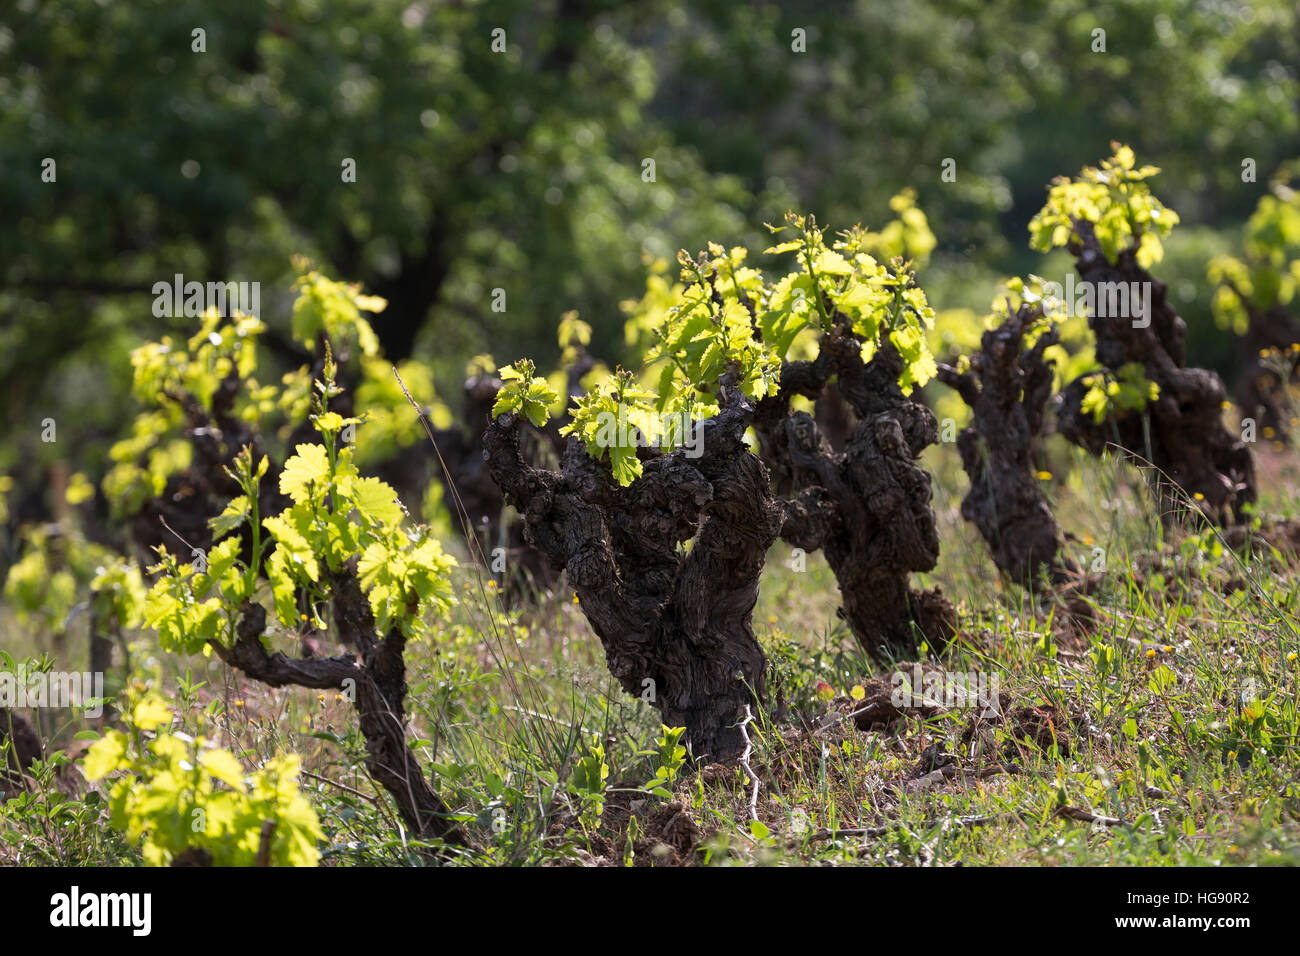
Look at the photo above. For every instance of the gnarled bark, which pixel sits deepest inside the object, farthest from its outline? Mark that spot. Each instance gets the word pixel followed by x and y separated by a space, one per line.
pixel 1181 433
pixel 476 502
pixel 674 622
pixel 867 507
pixel 478 508
pixel 1263 391
pixel 377 678
pixel 1007 388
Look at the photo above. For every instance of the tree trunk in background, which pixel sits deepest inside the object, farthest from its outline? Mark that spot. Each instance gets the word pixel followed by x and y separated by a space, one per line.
pixel 101 660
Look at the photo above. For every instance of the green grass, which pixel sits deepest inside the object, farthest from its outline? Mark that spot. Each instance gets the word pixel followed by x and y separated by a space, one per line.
pixel 1167 712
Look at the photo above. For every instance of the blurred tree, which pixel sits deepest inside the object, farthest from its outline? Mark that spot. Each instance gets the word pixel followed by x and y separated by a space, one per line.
pixel 1013 90
pixel 483 160
pixel 544 160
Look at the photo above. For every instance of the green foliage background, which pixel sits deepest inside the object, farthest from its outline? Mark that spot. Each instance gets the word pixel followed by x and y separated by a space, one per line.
pixel 522 170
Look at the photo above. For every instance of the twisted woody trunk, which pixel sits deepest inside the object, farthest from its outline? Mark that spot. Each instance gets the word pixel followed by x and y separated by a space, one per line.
pixel 866 507
pixel 1007 388
pixel 1181 433
pixel 675 622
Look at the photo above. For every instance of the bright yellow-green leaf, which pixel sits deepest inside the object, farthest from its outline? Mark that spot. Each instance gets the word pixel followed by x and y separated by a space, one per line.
pixel 150 711
pixel 377 501
pixel 104 755
pixel 309 467
pixel 223 765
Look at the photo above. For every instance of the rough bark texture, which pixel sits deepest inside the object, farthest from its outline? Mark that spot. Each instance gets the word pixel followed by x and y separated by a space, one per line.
pixel 834 417
pixel 1263 391
pixel 378 679
pixel 1186 439
pixel 867 507
pixel 468 484
pixel 1007 388
pixel 673 621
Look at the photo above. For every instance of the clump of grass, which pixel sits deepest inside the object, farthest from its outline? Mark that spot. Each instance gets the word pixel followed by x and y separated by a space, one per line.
pixel 1149 717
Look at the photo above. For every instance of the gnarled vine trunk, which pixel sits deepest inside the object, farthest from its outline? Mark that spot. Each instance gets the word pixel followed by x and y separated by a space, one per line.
pixel 474 500
pixel 1007 388
pixel 675 623
pixel 477 504
pixel 1181 433
pixel 1263 388
pixel 376 681
pixel 867 507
